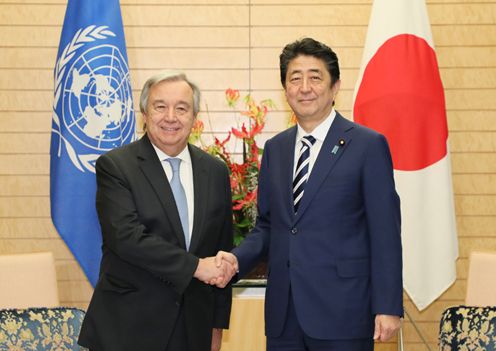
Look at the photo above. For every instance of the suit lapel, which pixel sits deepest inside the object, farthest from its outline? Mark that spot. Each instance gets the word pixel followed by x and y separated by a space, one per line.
pixel 200 181
pixel 152 169
pixel 329 155
pixel 287 165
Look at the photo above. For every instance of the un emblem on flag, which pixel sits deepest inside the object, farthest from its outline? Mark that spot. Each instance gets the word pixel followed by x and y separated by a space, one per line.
pixel 93 97
pixel 97 102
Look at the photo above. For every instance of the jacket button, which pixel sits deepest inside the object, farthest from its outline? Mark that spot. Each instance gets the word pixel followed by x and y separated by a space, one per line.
pixel 294 231
pixel 288 263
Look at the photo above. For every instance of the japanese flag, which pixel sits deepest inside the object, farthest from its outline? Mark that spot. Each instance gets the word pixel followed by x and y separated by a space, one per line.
pixel 399 93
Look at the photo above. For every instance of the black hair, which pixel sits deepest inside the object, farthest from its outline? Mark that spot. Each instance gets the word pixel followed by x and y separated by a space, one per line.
pixel 309 47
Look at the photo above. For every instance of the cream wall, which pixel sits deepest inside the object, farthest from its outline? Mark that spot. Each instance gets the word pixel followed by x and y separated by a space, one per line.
pixel 235 43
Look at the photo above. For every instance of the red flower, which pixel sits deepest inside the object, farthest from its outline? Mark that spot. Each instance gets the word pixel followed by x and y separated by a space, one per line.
pixel 232 96
pixel 197 130
pixel 243 134
pixel 248 199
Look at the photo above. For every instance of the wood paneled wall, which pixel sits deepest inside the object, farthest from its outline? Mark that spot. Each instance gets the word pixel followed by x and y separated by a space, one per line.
pixel 235 43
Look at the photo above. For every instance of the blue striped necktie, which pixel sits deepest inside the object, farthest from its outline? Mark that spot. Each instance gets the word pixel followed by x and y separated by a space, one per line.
pixel 301 173
pixel 180 197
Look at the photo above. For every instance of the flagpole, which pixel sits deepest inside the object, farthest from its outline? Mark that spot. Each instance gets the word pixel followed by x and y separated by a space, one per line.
pixel 400 339
pixel 400 335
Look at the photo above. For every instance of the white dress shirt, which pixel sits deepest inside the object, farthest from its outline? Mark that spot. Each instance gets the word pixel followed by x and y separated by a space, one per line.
pixel 186 176
pixel 319 133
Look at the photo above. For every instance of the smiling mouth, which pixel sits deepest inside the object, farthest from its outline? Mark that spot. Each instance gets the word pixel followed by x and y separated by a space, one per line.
pixel 169 129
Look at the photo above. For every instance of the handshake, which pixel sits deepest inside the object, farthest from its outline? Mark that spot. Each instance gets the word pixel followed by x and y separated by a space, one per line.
pixel 217 270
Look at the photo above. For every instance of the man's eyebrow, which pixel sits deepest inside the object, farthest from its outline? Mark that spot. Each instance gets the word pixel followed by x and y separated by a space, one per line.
pixel 315 70
pixel 183 102
pixel 162 101
pixel 158 100
pixel 312 70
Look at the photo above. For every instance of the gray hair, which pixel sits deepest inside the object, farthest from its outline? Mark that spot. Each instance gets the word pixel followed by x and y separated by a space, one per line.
pixel 169 76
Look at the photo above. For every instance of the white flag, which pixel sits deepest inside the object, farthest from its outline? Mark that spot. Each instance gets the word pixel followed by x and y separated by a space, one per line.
pixel 399 93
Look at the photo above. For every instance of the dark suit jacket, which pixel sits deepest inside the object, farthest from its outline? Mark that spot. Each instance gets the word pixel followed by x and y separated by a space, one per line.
pixel 341 254
pixel 145 272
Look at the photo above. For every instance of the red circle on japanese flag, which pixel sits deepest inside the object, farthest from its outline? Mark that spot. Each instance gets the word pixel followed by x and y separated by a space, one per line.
pixel 402 97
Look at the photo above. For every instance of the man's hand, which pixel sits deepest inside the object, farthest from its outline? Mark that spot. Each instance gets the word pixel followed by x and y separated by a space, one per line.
pixel 208 271
pixel 216 339
pixel 229 263
pixel 386 327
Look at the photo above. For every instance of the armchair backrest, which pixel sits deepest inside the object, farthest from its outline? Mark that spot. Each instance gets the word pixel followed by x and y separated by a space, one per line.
pixel 468 328
pixel 481 281
pixel 40 329
pixel 28 280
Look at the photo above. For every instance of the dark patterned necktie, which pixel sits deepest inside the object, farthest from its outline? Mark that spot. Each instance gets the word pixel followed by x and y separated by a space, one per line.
pixel 301 173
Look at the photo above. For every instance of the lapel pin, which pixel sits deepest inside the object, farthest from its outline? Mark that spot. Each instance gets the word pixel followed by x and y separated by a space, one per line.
pixel 335 149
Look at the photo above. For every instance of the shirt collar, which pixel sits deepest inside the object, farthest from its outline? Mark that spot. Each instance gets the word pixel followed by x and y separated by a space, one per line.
pixel 320 132
pixel 183 155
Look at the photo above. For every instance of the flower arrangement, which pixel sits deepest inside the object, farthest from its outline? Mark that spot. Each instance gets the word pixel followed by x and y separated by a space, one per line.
pixel 244 174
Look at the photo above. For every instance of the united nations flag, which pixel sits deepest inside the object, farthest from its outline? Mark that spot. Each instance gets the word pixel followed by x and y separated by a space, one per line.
pixel 92 113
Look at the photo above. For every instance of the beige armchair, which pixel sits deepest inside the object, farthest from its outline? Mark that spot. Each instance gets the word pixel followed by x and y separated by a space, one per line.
pixel 473 325
pixel 28 280
pixel 41 329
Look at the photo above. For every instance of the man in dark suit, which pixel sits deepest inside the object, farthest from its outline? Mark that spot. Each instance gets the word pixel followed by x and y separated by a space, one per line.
pixel 328 221
pixel 164 206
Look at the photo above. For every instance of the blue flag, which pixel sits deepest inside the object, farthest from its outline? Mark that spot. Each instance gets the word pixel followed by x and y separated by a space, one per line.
pixel 92 114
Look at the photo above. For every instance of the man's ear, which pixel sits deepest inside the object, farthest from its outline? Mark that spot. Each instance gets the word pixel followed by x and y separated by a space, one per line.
pixel 335 87
pixel 144 118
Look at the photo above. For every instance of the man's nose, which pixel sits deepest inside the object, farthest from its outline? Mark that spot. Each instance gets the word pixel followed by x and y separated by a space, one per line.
pixel 170 115
pixel 305 85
